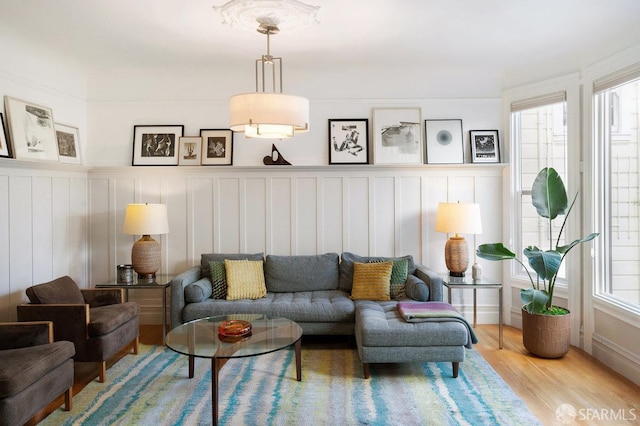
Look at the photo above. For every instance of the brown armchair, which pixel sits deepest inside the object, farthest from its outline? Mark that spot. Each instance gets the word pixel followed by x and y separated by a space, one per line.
pixel 34 370
pixel 97 321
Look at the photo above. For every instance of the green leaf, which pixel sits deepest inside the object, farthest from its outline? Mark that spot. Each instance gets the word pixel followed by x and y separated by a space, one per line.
pixel 548 194
pixel 535 301
pixel 545 263
pixel 565 249
pixel 495 251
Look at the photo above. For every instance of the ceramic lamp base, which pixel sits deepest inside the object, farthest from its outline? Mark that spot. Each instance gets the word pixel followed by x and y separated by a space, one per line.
pixel 145 257
pixel 456 256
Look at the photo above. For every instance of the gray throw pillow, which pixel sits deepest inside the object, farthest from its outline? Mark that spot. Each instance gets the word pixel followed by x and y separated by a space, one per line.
pixel 416 289
pixel 198 291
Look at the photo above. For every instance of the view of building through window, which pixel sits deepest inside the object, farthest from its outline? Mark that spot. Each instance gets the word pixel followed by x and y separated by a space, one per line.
pixel 618 109
pixel 541 135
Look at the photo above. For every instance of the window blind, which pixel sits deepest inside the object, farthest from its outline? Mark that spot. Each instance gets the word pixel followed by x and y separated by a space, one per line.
pixel 538 101
pixel 616 79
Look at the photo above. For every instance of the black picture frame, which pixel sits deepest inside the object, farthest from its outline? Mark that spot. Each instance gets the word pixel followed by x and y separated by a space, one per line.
pixel 156 145
pixel 5 146
pixel 217 147
pixel 349 141
pixel 485 146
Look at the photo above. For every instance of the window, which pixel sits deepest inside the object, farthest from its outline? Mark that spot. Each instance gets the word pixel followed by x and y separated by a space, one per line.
pixel 539 133
pixel 617 105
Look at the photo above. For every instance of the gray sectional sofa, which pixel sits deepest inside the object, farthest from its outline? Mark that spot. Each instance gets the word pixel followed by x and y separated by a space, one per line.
pixel 315 291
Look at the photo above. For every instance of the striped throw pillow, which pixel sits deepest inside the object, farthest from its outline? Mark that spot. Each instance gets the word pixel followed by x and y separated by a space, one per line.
pixel 218 280
pixel 245 279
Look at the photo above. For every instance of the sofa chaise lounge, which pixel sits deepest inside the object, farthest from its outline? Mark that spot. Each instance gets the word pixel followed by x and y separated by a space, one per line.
pixel 327 294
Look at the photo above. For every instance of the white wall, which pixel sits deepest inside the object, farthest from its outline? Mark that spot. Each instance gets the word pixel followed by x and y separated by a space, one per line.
pixel 368 210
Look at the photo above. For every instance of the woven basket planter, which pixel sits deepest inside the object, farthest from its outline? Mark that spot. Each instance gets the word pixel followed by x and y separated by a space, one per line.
pixel 546 336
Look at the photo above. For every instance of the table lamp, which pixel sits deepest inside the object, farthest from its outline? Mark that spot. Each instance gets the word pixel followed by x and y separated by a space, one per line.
pixel 458 218
pixel 146 219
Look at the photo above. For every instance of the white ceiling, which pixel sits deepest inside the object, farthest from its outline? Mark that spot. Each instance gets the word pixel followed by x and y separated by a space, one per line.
pixel 510 39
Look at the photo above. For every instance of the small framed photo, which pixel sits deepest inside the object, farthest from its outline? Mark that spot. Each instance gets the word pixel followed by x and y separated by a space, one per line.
pixel 349 141
pixel 485 146
pixel 68 144
pixel 217 147
pixel 5 149
pixel 397 136
pixel 444 141
pixel 190 151
pixel 156 145
pixel 31 130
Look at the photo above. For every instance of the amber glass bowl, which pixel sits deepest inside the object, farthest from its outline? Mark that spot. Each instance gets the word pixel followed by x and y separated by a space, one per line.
pixel 234 328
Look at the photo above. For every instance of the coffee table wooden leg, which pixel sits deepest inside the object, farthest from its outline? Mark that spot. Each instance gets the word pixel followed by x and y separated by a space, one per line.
pixel 215 369
pixel 298 347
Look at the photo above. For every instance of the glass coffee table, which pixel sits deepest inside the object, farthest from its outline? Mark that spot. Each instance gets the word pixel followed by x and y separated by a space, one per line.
pixel 199 338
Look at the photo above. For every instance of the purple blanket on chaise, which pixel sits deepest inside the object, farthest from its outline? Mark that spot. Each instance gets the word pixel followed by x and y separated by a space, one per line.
pixel 435 312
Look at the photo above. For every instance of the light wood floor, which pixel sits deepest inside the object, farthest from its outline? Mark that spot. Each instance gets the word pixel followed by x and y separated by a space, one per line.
pixel 592 388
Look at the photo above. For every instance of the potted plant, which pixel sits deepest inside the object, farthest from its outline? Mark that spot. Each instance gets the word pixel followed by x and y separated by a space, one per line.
pixel 541 319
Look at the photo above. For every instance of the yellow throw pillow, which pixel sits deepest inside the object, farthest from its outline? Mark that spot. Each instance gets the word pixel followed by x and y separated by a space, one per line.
pixel 371 281
pixel 245 279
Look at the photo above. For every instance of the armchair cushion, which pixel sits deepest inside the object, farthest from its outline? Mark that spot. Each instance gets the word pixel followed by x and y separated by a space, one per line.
pixel 105 319
pixel 60 290
pixel 24 366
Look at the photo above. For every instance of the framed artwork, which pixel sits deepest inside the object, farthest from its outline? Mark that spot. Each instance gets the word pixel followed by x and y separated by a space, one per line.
pixel 485 146
pixel 397 136
pixel 190 151
pixel 217 147
pixel 31 130
pixel 156 145
pixel 349 141
pixel 444 141
pixel 5 149
pixel 68 144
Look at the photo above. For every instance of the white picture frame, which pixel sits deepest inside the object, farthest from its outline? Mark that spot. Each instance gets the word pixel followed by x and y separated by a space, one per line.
pixel 156 145
pixel 31 130
pixel 5 149
pixel 68 143
pixel 397 136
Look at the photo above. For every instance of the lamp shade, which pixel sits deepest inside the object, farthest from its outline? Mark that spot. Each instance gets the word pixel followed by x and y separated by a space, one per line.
pixel 146 219
pixel 459 218
pixel 268 115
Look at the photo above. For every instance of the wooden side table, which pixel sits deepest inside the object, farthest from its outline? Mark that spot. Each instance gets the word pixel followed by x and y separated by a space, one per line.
pixel 482 283
pixel 161 282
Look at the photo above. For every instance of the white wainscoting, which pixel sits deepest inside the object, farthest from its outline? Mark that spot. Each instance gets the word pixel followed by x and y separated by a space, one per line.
pixel 288 210
pixel 43 228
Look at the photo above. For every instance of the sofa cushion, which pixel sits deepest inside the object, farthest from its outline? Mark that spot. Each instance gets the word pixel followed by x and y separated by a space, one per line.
pixel 61 290
pixel 398 277
pixel 325 306
pixel 371 281
pixel 105 319
pixel 205 258
pixel 346 267
pixel 416 289
pixel 24 366
pixel 198 291
pixel 302 273
pixel 218 280
pixel 245 279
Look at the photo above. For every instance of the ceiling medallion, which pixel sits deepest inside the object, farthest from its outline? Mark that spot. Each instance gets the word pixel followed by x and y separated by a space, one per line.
pixel 287 15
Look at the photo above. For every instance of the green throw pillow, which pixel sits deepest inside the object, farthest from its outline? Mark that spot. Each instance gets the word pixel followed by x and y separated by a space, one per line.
pixel 218 280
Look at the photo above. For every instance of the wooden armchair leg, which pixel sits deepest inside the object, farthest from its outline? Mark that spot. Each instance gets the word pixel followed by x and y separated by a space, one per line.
pixel 455 369
pixel 68 399
pixel 136 343
pixel 365 369
pixel 103 371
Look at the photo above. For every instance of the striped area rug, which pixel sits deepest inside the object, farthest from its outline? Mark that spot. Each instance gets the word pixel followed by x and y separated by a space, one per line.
pixel 153 388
